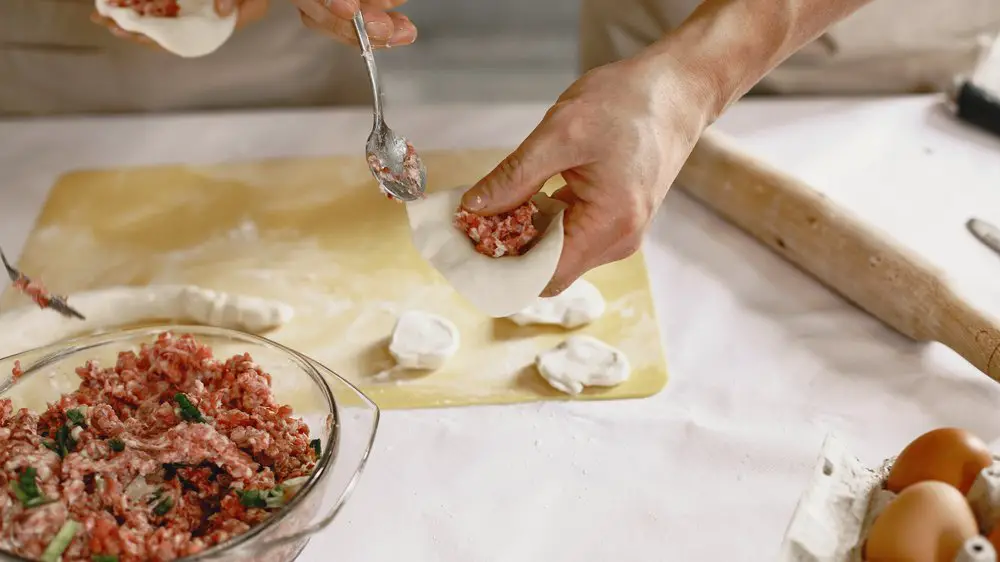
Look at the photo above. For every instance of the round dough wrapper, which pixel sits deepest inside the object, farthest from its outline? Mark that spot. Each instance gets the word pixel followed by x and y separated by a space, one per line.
pixel 195 32
pixel 423 341
pixel 498 287
pixel 582 361
pixel 580 304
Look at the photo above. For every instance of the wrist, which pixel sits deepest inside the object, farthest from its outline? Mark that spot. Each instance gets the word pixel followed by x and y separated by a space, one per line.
pixel 723 49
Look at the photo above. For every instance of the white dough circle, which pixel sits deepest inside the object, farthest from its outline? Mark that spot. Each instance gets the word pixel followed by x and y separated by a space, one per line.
pixel 30 327
pixel 195 32
pixel 582 361
pixel 497 286
pixel 580 304
pixel 423 341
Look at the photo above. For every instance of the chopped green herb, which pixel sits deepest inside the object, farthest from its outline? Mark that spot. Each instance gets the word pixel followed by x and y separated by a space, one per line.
pixel 26 489
pixel 315 444
pixel 262 499
pixel 64 442
pixel 189 411
pixel 75 417
pixel 157 494
pixel 104 558
pixel 165 505
pixel 53 552
pixel 117 445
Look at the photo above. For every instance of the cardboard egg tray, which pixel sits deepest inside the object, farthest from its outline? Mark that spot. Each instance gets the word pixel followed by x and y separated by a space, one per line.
pixel 831 521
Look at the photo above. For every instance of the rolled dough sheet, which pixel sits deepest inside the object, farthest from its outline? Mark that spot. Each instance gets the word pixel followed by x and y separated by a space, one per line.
pixel 498 287
pixel 30 327
pixel 195 32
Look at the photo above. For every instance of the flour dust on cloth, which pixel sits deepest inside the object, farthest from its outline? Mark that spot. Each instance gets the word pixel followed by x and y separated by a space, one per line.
pixel 195 32
pixel 30 327
pixel 498 287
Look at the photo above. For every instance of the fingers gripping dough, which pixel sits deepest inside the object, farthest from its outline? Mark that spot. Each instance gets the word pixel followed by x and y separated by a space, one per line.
pixel 195 32
pixel 577 306
pixel 497 286
pixel 582 361
pixel 30 327
pixel 423 341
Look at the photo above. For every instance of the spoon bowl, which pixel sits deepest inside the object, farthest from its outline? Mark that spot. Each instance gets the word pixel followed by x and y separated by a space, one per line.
pixel 395 164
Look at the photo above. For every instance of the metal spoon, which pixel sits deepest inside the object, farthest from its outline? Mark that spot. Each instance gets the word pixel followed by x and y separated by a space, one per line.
pixel 392 159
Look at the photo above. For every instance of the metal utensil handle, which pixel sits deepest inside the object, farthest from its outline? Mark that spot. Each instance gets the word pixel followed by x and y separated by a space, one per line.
pixel 369 56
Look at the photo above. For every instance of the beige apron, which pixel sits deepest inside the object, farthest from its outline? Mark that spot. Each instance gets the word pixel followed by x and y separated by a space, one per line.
pixel 54 60
pixel 889 46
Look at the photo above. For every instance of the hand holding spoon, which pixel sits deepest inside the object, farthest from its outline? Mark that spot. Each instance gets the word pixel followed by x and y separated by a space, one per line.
pixel 392 159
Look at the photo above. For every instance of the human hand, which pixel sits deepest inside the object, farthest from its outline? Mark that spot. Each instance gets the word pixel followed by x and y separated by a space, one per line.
pixel 249 11
pixel 333 18
pixel 619 135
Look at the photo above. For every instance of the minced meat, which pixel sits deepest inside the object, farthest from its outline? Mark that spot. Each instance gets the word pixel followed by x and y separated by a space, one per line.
pixel 166 453
pixel 34 290
pixel 505 234
pixel 152 8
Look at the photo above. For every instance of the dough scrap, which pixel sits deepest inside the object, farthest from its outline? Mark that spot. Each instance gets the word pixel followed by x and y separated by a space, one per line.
pixel 577 306
pixel 498 287
pixel 29 327
pixel 582 361
pixel 423 341
pixel 195 32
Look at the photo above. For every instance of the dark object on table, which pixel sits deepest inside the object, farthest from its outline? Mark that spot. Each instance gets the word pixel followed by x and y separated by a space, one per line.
pixel 985 233
pixel 54 302
pixel 977 106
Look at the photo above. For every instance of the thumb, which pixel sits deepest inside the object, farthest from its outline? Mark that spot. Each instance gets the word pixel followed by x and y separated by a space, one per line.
pixel 521 174
pixel 224 7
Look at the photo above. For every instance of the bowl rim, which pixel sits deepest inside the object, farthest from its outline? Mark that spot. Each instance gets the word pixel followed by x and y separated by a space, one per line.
pixel 309 365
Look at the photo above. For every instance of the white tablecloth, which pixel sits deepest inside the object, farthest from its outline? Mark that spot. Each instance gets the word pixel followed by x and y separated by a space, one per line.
pixel 764 361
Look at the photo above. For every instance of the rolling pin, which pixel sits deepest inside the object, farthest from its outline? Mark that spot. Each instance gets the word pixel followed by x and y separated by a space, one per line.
pixel 861 263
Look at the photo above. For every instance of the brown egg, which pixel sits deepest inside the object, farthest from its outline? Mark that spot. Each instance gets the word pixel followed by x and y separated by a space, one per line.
pixel 948 454
pixel 927 522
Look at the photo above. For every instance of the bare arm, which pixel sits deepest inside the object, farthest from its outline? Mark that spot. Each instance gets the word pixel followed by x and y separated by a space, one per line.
pixel 732 44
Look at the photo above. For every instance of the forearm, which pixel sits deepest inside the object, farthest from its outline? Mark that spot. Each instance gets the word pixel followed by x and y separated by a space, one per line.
pixel 729 45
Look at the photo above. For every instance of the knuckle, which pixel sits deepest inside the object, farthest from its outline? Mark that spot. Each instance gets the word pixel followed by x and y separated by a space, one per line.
pixel 629 246
pixel 629 224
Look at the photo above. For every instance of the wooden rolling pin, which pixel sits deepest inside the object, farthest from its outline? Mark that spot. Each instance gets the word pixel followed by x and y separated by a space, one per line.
pixel 862 264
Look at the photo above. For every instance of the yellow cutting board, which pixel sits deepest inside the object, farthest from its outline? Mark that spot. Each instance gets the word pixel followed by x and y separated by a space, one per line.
pixel 317 234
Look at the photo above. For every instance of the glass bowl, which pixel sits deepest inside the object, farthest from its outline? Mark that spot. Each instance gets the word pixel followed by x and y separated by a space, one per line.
pixel 338 414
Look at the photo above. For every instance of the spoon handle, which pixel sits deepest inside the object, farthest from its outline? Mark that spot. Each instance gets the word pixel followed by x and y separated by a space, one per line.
pixel 369 56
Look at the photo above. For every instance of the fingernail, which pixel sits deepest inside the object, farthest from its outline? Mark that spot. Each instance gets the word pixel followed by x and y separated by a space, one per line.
pixel 473 201
pixel 400 37
pixel 119 32
pixel 377 30
pixel 224 7
pixel 550 291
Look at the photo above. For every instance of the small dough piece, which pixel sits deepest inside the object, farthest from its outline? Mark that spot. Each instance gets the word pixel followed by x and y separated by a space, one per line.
pixel 423 341
pixel 582 361
pixel 498 287
pixel 28 327
pixel 195 32
pixel 577 306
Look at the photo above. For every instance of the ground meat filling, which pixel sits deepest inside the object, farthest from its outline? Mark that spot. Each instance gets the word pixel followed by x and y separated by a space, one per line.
pixel 410 178
pixel 166 453
pixel 34 290
pixel 152 8
pixel 506 234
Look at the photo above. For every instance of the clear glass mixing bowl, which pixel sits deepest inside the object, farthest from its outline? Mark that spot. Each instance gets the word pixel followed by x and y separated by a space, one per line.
pixel 338 414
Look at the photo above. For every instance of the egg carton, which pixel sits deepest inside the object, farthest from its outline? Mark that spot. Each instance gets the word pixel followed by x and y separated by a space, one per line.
pixel 833 516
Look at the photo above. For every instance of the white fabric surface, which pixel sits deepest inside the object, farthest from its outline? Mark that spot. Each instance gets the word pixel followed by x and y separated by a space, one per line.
pixel 764 361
